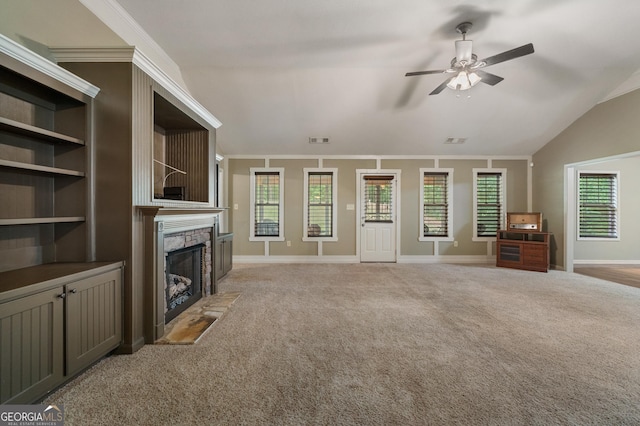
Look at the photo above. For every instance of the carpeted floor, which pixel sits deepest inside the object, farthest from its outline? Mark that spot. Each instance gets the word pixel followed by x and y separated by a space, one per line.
pixel 386 344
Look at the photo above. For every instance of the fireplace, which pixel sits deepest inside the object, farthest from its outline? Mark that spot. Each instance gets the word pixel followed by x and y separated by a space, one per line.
pixel 183 285
pixel 169 229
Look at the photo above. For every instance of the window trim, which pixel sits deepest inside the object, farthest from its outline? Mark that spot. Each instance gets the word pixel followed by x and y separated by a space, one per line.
pixel 503 193
pixel 616 173
pixel 334 201
pixel 252 202
pixel 449 172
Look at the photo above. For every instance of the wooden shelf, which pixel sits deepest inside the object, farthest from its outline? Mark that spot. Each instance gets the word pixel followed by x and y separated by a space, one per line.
pixel 41 220
pixel 40 169
pixel 36 132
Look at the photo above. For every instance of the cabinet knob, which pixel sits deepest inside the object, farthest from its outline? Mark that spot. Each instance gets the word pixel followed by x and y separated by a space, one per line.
pixel 62 295
pixel 74 290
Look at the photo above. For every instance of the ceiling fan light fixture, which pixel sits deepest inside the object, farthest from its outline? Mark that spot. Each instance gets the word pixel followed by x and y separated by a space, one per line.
pixel 463 51
pixel 464 81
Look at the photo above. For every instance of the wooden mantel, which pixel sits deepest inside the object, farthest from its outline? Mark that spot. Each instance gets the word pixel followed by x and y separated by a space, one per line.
pixel 172 211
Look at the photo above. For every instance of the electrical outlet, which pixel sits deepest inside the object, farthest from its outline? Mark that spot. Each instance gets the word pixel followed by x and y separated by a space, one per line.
pixel 455 244
pixel 288 243
pixel 235 206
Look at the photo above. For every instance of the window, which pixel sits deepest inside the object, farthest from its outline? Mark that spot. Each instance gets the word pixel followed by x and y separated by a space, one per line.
pixel 598 205
pixel 489 202
pixel 435 202
pixel 267 198
pixel 378 198
pixel 320 204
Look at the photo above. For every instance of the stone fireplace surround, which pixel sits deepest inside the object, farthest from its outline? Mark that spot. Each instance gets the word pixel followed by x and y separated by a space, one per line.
pixel 167 229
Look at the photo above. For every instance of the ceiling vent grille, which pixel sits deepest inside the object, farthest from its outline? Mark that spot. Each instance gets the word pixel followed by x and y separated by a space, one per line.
pixel 455 141
pixel 319 140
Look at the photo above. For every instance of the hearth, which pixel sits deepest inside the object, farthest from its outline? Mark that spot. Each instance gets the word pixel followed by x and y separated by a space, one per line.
pixel 183 286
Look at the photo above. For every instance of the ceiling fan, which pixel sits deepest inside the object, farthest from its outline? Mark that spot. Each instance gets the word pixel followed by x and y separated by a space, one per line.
pixel 466 69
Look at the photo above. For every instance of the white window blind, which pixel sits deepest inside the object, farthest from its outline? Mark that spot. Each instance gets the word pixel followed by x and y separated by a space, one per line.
pixel 320 204
pixel 435 207
pixel 267 204
pixel 488 203
pixel 598 205
pixel 378 198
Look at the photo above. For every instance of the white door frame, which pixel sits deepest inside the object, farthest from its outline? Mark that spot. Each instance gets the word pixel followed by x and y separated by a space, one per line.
pixel 386 172
pixel 571 203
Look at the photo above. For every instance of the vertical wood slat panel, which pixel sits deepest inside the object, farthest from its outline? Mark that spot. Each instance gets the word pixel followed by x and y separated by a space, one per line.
pixel 93 320
pixel 189 150
pixel 31 339
pixel 94 325
pixel 142 133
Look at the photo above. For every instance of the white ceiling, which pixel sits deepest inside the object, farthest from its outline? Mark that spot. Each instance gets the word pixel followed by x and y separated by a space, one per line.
pixel 277 72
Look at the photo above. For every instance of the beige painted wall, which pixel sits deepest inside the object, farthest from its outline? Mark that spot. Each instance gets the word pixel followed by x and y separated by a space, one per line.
pixel 608 129
pixel 293 196
pixel 517 173
pixel 347 192
pixel 238 195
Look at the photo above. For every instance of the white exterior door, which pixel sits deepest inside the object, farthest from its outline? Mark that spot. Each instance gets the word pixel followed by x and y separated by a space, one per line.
pixel 378 218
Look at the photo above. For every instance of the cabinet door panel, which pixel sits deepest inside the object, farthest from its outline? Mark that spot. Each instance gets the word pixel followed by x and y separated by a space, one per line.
pixel 535 254
pixel 31 342
pixel 94 325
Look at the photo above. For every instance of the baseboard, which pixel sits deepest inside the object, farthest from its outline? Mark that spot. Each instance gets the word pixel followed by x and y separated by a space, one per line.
pixel 127 349
pixel 481 259
pixel 606 262
pixel 355 259
pixel 296 259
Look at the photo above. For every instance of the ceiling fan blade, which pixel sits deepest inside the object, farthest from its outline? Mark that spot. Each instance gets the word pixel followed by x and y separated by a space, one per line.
pixel 409 74
pixel 442 86
pixel 488 78
pixel 508 55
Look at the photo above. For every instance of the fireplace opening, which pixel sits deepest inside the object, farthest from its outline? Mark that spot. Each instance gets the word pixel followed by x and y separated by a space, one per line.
pixel 183 280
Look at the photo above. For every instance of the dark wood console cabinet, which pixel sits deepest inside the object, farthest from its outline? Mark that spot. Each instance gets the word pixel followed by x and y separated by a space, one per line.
pixel 523 250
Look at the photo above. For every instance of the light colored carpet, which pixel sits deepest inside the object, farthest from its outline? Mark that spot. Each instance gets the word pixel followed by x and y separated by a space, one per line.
pixel 386 344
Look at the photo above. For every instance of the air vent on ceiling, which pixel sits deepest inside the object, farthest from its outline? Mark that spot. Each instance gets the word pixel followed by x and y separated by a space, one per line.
pixel 319 140
pixel 455 141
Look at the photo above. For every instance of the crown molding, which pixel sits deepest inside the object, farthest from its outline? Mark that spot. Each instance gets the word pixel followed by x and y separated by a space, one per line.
pixel 135 56
pixel 37 62
pixel 120 22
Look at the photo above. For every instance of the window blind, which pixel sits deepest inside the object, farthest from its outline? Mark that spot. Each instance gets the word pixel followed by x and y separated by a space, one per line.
pixel 378 196
pixel 320 204
pixel 435 208
pixel 267 204
pixel 489 203
pixel 598 203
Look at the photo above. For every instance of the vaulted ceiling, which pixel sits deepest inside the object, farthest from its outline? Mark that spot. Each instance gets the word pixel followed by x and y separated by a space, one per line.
pixel 277 72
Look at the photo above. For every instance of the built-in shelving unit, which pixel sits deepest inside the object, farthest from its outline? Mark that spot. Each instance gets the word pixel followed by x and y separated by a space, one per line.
pixel 45 162
pixel 60 311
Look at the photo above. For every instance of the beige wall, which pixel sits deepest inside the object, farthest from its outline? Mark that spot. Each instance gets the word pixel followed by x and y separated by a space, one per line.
pixel 609 129
pixel 410 187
